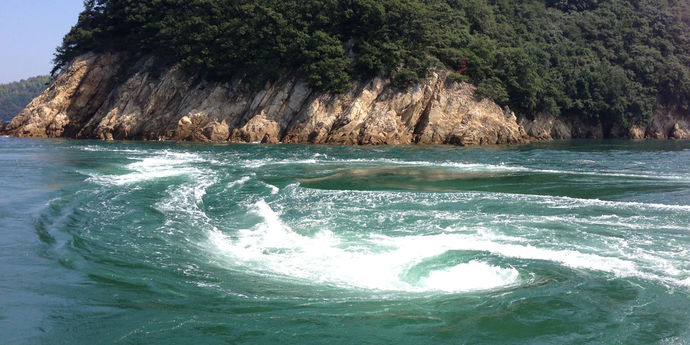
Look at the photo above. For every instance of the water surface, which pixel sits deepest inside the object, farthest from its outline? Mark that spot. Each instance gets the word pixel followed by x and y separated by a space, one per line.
pixel 549 243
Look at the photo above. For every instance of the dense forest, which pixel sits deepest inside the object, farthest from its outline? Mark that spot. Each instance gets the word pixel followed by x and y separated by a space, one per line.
pixel 608 60
pixel 15 96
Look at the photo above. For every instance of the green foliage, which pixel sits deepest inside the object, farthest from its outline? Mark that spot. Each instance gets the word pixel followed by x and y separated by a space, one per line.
pixel 494 89
pixel 15 96
pixel 611 61
pixel 457 77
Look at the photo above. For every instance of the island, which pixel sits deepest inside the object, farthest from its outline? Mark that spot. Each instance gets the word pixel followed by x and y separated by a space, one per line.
pixel 369 72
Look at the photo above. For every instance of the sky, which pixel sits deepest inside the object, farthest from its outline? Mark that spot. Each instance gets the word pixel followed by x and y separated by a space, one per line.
pixel 30 30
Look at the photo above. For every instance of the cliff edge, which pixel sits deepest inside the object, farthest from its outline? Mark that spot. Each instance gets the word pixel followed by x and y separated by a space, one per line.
pixel 85 102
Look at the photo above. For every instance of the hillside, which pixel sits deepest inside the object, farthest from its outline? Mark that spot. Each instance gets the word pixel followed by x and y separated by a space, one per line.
pixel 15 96
pixel 613 62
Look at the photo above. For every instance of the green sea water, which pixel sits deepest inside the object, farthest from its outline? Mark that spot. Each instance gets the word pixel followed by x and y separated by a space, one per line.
pixel 578 242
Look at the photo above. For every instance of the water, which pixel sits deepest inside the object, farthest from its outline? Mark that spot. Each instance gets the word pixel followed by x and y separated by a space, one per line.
pixel 550 243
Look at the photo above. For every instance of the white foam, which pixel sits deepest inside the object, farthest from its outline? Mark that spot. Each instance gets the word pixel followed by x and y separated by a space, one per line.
pixel 107 149
pixel 569 258
pixel 568 202
pixel 463 166
pixel 432 199
pixel 640 175
pixel 383 162
pixel 239 182
pixel 685 282
pixel 384 262
pixel 474 275
pixel 274 189
pixel 186 198
pixel 163 165
pixel 273 248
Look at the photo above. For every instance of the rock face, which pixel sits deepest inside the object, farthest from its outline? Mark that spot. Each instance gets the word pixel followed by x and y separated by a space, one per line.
pixel 63 108
pixel 665 124
pixel 546 127
pixel 84 102
pixel 89 99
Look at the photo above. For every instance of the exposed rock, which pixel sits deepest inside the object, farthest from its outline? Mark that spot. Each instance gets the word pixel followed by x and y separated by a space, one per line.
pixel 636 132
pixel 456 115
pixel 3 125
pixel 83 103
pixel 655 131
pixel 669 124
pixel 76 94
pixel 217 131
pixel 679 132
pixel 546 127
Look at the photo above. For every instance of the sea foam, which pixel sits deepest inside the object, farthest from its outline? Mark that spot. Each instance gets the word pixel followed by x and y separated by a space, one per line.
pixel 382 262
pixel 272 248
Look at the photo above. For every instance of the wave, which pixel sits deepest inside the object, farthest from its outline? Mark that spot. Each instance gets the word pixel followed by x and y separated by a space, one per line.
pixel 431 199
pixel 397 263
pixel 94 148
pixel 568 202
pixel 273 248
pixel 239 182
pixel 463 166
pixel 382 262
pixel 380 161
pixel 387 263
pixel 166 164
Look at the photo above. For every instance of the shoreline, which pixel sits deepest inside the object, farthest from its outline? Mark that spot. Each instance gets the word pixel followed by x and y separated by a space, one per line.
pixel 83 102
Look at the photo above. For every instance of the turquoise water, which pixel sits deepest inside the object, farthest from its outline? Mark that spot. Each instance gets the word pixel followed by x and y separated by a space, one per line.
pixel 549 243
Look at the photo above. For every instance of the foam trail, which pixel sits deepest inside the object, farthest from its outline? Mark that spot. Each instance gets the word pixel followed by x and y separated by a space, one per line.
pixel 385 162
pixel 568 202
pixel 385 263
pixel 274 189
pixel 105 149
pixel 563 202
pixel 239 182
pixel 273 248
pixel 649 267
pixel 168 164
pixel 463 166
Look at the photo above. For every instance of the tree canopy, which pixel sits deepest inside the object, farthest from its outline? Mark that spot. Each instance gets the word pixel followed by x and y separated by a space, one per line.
pixel 607 60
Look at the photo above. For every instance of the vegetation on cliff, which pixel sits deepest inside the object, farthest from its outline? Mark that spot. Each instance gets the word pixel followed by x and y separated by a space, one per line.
pixel 15 96
pixel 610 61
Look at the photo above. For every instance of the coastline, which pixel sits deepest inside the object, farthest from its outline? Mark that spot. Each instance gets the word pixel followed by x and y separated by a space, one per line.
pixel 84 101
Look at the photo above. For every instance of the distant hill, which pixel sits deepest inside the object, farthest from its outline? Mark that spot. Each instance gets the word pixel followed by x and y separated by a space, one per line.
pixel 15 96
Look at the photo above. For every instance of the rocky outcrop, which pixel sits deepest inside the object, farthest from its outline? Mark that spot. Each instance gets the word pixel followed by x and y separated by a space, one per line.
pixel 89 99
pixel 84 102
pixel 63 108
pixel 665 124
pixel 549 127
pixel 546 127
pixel 636 132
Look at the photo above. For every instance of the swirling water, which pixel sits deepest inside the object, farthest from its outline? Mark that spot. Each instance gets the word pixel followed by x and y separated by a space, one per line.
pixel 549 243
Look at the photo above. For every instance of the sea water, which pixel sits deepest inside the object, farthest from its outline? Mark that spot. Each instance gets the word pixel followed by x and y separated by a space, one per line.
pixel 144 242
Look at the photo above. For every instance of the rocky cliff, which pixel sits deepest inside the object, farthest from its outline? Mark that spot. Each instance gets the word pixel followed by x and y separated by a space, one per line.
pixel 664 124
pixel 85 102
